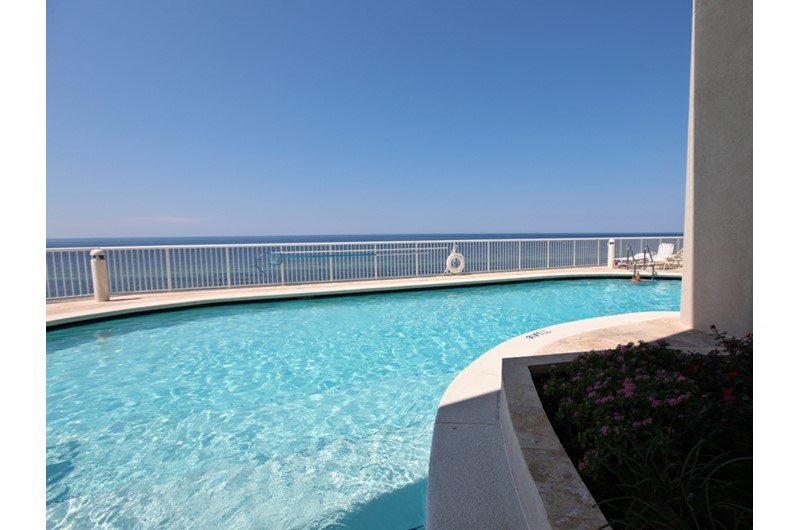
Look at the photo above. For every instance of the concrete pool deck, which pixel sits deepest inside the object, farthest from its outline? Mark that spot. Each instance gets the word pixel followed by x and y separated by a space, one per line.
pixel 71 311
pixel 494 460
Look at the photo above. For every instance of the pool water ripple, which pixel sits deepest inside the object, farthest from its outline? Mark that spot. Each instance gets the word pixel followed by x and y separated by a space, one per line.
pixel 295 414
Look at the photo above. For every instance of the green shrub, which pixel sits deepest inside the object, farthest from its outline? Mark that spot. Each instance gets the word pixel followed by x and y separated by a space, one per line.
pixel 662 438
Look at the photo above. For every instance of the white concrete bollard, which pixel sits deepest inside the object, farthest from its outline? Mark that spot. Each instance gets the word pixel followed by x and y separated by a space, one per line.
pixel 99 275
pixel 611 259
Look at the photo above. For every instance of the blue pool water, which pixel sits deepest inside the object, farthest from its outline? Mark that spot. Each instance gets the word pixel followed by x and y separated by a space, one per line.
pixel 302 414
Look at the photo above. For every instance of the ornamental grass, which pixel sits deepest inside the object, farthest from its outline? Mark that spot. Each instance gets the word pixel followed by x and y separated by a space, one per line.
pixel 662 438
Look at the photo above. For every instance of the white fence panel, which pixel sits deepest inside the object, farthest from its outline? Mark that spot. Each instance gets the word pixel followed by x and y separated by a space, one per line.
pixel 178 268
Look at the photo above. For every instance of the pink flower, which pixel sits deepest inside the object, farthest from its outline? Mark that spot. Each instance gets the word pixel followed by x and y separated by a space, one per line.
pixel 604 430
pixel 604 400
pixel 628 387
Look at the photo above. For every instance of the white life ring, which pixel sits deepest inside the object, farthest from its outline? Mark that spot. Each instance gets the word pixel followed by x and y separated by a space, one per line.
pixel 458 259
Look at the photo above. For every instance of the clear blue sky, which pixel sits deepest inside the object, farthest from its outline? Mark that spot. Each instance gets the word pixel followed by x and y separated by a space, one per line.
pixel 184 118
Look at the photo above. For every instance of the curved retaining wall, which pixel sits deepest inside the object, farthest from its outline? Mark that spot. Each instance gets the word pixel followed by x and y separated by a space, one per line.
pixel 495 461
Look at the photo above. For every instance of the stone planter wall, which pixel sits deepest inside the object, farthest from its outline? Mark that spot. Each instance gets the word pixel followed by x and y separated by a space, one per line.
pixel 551 492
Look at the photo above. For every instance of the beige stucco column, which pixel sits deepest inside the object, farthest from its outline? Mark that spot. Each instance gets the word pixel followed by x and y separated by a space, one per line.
pixel 718 266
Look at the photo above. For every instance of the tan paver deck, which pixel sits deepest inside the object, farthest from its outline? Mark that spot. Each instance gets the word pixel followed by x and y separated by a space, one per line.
pixel 70 311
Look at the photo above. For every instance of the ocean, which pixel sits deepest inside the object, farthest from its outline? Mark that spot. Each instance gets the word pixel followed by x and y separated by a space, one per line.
pixel 101 242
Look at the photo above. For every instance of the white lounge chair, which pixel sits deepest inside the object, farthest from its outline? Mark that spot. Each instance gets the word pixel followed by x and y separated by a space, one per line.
pixel 659 259
pixel 674 261
pixel 664 253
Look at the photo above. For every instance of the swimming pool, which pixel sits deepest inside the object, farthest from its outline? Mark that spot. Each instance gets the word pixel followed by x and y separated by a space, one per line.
pixel 297 414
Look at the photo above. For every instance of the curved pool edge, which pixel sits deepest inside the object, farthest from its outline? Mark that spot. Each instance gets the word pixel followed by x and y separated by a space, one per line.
pixel 481 460
pixel 61 313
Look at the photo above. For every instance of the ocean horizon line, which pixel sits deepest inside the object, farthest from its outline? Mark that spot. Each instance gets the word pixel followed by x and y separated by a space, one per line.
pixel 330 238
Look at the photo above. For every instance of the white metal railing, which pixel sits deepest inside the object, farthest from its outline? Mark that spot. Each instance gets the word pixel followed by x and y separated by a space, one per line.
pixel 178 267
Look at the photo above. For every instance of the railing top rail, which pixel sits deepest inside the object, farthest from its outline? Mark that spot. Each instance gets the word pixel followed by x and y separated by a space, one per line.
pixel 395 242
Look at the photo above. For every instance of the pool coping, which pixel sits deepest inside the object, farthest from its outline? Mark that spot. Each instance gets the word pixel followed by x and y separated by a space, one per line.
pixel 494 461
pixel 61 313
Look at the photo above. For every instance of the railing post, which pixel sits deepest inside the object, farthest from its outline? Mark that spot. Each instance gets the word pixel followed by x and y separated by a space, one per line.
pixel 99 275
pixel 611 254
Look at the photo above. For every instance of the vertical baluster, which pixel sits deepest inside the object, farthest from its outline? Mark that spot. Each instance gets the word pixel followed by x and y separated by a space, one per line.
pixel 193 280
pixel 128 272
pixel 189 262
pixel 138 274
pixel 148 269
pixel 228 266
pixel 232 266
pixel 247 271
pixel 134 270
pixel 197 268
pixel 185 278
pixel 168 266
pixel 200 266
pixel 203 258
pixel 282 267
pixel 155 273
pixel 78 259
pixel 330 263
pixel 61 270
pixel 574 252
pixel 177 266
